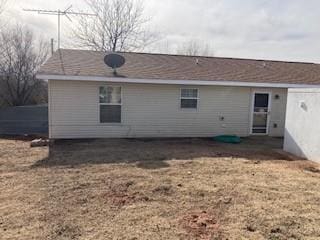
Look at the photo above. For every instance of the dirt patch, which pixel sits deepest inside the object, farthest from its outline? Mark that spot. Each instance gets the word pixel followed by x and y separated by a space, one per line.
pixel 312 169
pixel 285 229
pixel 306 166
pixel 202 225
pixel 65 232
pixel 120 195
pixel 163 190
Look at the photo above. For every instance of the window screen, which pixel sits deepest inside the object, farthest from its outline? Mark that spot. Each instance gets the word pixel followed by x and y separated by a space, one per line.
pixel 189 98
pixel 189 103
pixel 189 93
pixel 110 113
pixel 261 102
pixel 110 104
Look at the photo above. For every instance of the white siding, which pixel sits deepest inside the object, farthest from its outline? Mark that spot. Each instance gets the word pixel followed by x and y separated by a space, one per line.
pixel 278 112
pixel 302 123
pixel 153 110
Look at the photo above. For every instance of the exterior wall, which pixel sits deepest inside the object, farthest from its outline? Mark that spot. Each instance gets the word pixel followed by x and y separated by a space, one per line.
pixel 153 110
pixel 302 132
pixel 278 112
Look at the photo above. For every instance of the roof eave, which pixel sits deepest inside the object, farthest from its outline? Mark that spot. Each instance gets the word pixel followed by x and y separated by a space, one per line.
pixel 174 82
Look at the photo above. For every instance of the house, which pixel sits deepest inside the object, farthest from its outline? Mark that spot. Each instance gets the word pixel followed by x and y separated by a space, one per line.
pixel 158 95
pixel 302 132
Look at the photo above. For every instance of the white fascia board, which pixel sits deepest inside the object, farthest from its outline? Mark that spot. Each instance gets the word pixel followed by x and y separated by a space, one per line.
pixel 304 90
pixel 173 82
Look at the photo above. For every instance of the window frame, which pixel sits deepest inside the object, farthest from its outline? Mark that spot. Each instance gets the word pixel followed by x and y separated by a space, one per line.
pixel 110 104
pixel 190 98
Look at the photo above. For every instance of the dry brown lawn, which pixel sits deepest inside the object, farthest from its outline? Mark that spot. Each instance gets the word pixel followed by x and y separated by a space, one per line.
pixel 156 189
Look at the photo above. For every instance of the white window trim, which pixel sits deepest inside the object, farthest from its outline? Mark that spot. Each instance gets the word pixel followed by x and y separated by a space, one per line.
pixel 190 98
pixel 110 104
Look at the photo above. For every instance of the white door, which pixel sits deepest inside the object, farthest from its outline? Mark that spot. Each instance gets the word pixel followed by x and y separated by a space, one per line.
pixel 260 113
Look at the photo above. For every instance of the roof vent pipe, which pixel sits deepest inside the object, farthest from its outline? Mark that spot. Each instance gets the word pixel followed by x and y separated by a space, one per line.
pixel 264 64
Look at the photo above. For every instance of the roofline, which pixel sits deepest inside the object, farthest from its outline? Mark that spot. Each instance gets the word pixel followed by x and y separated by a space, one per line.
pixel 197 56
pixel 173 82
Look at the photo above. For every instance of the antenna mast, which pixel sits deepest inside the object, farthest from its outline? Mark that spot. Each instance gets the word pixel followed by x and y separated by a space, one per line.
pixel 59 13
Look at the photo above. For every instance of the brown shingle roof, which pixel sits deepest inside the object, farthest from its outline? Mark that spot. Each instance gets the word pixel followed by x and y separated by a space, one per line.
pixel 175 67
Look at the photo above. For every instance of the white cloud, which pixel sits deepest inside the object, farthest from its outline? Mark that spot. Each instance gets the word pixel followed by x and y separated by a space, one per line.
pixel 273 29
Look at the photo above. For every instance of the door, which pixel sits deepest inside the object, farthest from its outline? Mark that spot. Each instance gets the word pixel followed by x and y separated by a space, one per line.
pixel 260 113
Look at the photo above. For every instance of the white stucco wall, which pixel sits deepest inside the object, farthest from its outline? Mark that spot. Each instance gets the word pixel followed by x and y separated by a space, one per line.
pixel 302 129
pixel 153 110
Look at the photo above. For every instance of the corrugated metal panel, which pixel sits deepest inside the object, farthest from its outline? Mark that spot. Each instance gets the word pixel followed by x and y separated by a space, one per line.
pixel 24 120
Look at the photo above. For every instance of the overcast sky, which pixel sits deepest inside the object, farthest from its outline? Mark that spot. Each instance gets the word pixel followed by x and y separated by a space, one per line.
pixel 261 29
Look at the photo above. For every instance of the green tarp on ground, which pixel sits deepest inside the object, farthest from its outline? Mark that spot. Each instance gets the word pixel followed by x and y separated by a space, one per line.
pixel 227 139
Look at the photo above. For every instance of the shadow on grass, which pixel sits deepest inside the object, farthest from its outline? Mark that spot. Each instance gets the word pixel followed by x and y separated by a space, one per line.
pixel 154 153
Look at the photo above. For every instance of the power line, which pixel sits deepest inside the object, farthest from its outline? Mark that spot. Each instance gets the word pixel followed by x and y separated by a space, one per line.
pixel 59 13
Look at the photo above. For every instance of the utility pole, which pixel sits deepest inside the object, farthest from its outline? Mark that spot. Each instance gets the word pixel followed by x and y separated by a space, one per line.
pixel 59 13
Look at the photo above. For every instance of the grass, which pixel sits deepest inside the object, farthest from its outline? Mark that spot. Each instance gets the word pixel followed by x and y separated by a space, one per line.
pixel 156 189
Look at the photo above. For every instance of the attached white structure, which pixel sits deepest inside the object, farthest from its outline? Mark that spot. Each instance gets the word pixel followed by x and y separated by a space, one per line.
pixel 155 95
pixel 302 131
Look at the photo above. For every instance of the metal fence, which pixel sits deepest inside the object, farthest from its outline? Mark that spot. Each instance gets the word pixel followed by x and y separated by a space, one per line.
pixel 24 120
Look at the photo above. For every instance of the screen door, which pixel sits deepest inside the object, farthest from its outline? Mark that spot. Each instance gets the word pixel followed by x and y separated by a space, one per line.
pixel 260 113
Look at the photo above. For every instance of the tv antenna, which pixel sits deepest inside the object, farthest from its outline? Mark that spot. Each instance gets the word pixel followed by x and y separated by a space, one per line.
pixel 59 13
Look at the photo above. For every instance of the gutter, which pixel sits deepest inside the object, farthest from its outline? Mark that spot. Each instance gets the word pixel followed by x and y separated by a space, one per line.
pixel 173 82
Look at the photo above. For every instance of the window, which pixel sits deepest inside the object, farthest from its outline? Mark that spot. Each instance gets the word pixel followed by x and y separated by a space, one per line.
pixel 189 98
pixel 110 104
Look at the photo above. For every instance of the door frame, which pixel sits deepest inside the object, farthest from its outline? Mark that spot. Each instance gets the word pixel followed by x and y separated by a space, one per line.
pixel 254 92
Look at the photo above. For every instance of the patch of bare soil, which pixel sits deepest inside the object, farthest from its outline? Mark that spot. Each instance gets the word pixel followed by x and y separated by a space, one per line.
pixel 201 225
pixel 65 232
pixel 163 189
pixel 312 169
pixel 306 166
pixel 119 195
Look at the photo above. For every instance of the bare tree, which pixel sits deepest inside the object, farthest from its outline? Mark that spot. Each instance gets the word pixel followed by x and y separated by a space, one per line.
pixel 20 58
pixel 119 25
pixel 195 48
